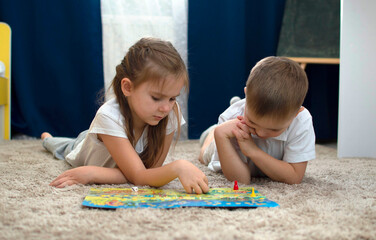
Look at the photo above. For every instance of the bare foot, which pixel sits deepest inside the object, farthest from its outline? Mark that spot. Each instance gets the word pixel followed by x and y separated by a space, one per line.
pixel 45 135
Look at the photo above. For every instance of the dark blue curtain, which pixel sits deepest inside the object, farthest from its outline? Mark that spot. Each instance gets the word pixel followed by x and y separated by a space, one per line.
pixel 57 69
pixel 322 100
pixel 225 40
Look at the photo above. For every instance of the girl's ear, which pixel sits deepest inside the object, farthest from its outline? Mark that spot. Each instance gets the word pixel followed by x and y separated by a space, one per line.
pixel 126 86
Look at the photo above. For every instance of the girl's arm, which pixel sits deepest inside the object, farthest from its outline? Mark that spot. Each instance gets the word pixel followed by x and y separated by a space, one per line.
pixel 134 170
pixel 166 149
pixel 89 174
pixel 101 175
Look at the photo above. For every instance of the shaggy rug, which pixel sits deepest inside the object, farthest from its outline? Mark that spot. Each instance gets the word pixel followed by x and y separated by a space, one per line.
pixel 337 200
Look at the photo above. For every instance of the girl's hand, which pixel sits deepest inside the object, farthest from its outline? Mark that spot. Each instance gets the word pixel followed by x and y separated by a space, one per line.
pixel 79 175
pixel 192 178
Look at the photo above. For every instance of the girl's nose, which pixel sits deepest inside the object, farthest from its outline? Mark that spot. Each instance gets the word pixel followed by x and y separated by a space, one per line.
pixel 165 107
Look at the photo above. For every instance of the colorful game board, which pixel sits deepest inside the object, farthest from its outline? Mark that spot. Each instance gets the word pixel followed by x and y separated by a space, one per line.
pixel 160 198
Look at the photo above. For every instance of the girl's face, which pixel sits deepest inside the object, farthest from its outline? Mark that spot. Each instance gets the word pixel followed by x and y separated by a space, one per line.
pixel 150 102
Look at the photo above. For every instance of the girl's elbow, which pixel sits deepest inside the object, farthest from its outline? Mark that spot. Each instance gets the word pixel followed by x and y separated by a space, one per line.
pixel 138 181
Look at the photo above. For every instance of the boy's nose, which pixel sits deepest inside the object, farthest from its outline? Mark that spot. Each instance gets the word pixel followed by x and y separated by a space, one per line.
pixel 260 133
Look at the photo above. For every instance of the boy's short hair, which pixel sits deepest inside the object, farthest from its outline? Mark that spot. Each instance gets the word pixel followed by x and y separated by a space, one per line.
pixel 276 87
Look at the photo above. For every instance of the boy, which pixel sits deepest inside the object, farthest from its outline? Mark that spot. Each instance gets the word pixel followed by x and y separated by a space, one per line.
pixel 267 134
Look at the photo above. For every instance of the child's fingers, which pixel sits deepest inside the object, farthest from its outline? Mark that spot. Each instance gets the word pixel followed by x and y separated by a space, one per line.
pixel 61 183
pixel 201 187
pixel 204 186
pixel 66 183
pixel 187 188
pixel 57 182
pixel 241 119
pixel 206 180
pixel 61 176
pixel 56 179
pixel 236 134
pixel 240 135
pixel 197 189
pixel 243 127
pixel 53 183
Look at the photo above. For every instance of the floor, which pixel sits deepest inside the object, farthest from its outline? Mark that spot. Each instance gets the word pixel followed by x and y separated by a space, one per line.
pixel 330 144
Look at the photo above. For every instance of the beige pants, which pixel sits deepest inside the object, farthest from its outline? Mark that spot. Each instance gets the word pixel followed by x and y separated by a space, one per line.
pixel 208 153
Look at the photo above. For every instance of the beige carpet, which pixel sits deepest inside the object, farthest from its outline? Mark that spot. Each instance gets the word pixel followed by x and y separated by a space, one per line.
pixel 337 200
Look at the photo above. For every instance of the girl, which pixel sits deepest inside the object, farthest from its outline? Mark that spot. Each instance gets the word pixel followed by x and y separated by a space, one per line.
pixel 131 134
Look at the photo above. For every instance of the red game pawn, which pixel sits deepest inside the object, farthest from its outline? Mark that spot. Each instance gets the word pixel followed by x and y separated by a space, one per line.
pixel 236 185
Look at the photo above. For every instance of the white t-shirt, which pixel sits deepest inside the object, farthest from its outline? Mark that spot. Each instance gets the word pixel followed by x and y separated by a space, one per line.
pixel 109 120
pixel 296 144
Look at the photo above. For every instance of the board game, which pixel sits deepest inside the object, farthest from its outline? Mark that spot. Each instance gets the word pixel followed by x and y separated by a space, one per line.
pixel 166 198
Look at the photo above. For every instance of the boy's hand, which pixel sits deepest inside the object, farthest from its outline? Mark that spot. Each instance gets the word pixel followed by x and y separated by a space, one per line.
pixel 192 178
pixel 226 128
pixel 232 165
pixel 79 175
pixel 243 135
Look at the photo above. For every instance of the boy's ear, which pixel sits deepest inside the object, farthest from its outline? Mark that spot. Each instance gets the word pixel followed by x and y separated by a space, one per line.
pixel 245 89
pixel 126 86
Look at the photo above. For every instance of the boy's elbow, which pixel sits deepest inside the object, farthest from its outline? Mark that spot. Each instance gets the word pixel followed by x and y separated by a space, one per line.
pixel 243 180
pixel 295 180
pixel 296 176
pixel 218 132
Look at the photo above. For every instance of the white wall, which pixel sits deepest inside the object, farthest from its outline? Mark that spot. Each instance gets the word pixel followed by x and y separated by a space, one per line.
pixel 357 93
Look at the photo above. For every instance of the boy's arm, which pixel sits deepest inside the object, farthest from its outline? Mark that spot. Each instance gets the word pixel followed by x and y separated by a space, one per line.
pixel 232 166
pixel 277 170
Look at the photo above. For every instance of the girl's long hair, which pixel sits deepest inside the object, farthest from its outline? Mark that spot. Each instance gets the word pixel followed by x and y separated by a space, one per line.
pixel 149 59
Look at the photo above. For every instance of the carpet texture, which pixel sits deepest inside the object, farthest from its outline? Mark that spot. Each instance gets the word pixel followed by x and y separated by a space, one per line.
pixel 337 200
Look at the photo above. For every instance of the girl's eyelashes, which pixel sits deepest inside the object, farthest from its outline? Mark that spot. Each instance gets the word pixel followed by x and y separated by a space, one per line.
pixel 159 99
pixel 155 98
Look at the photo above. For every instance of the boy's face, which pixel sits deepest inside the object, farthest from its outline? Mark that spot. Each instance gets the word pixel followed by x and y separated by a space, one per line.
pixel 265 127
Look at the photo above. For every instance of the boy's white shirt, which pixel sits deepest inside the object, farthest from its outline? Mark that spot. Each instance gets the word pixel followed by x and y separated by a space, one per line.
pixel 296 144
pixel 109 120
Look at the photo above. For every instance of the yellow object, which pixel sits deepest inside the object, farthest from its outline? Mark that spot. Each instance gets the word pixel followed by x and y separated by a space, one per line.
pixel 253 194
pixel 5 50
pixel 3 91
